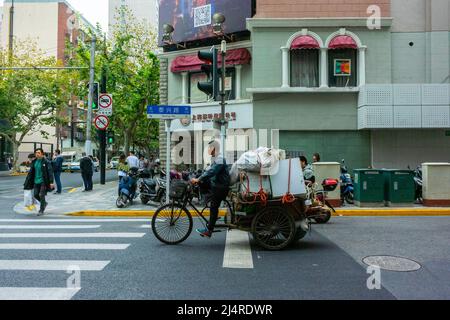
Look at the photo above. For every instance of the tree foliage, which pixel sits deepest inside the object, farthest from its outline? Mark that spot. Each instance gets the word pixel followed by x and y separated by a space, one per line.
pixel 132 70
pixel 30 99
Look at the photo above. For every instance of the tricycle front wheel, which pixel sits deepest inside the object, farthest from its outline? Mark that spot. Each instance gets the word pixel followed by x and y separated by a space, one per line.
pixel 172 224
pixel 273 228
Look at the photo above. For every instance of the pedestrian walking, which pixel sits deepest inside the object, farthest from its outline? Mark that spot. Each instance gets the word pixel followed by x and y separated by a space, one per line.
pixel 57 164
pixel 87 170
pixel 10 163
pixel 40 179
pixel 132 160
pixel 122 167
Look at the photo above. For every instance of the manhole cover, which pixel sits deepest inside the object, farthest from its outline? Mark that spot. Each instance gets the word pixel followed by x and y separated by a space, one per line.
pixel 392 263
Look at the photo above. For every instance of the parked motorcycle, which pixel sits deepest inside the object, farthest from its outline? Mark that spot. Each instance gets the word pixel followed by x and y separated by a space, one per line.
pixel 347 188
pixel 151 189
pixel 127 189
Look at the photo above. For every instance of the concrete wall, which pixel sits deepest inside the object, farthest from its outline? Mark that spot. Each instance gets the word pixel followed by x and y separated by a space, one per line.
pixel 400 148
pixel 306 111
pixel 318 8
pixel 36 21
pixel 353 146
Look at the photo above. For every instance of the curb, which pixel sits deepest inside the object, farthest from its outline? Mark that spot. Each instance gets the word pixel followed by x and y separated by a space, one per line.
pixel 393 213
pixel 339 213
pixel 112 213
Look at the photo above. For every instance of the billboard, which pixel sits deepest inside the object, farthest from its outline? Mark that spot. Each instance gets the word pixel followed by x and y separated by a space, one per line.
pixel 192 19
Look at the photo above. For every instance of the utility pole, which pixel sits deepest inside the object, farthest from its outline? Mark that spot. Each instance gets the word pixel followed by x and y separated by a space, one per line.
pixel 11 30
pixel 223 122
pixel 88 146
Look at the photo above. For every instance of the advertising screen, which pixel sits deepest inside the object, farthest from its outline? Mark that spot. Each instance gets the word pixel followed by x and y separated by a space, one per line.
pixel 192 19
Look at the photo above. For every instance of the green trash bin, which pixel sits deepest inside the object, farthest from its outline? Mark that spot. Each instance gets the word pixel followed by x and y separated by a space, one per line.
pixel 399 187
pixel 369 188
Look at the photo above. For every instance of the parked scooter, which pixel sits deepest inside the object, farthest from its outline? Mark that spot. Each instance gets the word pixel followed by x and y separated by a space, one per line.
pixel 127 189
pixel 151 189
pixel 347 189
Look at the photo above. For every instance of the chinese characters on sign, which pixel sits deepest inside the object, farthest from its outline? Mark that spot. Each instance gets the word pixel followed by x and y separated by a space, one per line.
pixel 229 116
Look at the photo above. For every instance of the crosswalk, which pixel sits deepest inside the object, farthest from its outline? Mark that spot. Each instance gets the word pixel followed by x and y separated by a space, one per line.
pixel 52 239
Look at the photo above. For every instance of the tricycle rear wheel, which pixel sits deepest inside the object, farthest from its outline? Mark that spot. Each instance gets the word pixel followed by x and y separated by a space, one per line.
pixel 273 228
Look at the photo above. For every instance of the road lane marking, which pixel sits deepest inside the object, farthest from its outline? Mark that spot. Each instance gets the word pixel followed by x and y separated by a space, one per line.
pixel 4 227
pixel 37 293
pixel 238 253
pixel 63 246
pixel 73 235
pixel 52 265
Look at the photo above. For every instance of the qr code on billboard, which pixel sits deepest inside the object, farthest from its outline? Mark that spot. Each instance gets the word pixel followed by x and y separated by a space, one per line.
pixel 202 16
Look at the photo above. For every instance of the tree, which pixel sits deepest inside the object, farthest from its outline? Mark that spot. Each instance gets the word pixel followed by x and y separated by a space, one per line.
pixel 30 99
pixel 132 71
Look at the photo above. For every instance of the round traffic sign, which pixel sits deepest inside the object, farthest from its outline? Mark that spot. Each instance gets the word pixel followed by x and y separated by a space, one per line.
pixel 101 122
pixel 105 101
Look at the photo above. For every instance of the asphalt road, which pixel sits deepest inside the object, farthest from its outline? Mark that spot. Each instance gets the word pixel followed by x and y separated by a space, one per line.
pixel 121 259
pixel 135 265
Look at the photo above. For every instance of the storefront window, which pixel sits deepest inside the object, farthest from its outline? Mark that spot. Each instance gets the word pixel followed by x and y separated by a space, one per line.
pixel 305 68
pixel 342 66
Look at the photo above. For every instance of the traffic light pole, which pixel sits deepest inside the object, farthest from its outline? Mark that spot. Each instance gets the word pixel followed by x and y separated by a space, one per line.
pixel 102 136
pixel 223 122
pixel 88 146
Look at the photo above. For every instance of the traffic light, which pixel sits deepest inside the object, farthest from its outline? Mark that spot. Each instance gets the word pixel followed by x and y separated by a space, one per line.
pixel 210 87
pixel 95 96
pixel 110 137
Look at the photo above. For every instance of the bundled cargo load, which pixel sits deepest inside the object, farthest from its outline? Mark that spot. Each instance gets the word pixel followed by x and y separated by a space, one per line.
pixel 262 161
pixel 265 173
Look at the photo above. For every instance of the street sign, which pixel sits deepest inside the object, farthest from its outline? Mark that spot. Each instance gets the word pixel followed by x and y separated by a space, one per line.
pixel 105 105
pixel 168 112
pixel 101 122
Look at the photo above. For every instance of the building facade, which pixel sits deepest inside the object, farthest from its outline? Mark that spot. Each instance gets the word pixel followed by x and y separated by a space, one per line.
pixel 49 23
pixel 336 80
pixel 144 10
pixel 362 80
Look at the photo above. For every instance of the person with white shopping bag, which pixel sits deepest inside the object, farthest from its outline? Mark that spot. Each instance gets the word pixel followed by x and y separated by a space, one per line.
pixel 39 179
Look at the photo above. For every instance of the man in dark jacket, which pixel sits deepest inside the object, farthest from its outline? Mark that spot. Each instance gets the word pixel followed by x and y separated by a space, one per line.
pixel 40 179
pixel 87 171
pixel 57 164
pixel 218 177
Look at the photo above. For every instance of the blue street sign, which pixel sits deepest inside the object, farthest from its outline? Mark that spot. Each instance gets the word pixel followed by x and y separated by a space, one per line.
pixel 168 112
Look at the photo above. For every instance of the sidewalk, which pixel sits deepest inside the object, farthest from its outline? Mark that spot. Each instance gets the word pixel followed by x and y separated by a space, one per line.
pixel 102 202
pixel 102 199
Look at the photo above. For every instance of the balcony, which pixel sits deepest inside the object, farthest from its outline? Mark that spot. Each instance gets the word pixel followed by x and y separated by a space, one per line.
pixel 402 106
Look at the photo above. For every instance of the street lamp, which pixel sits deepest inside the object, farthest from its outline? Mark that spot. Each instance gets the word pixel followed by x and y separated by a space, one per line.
pixel 218 26
pixel 167 38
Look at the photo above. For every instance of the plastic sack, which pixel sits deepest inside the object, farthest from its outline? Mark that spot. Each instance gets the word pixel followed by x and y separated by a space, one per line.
pixel 249 162
pixel 28 199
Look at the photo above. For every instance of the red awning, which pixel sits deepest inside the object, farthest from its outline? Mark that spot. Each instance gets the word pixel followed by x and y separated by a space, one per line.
pixel 193 63
pixel 305 42
pixel 341 42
